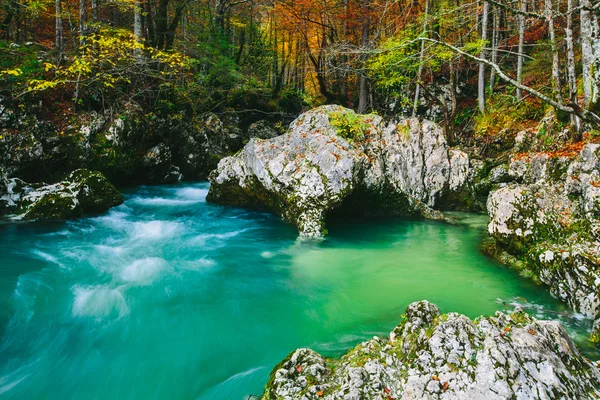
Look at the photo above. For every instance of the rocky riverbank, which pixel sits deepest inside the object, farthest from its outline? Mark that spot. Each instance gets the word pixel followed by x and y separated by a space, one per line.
pixel 445 356
pixel 544 222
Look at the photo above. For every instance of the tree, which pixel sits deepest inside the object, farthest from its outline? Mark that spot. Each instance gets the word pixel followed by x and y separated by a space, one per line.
pixel 484 36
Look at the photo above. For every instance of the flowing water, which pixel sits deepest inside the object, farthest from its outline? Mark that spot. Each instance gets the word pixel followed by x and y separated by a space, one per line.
pixel 169 297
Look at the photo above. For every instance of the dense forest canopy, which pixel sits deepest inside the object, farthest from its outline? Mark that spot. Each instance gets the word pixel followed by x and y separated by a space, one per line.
pixel 450 60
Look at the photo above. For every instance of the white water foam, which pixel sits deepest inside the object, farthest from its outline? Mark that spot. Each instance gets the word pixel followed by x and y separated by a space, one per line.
pixel 144 271
pixel 190 193
pixel 42 255
pixel 203 239
pixel 98 301
pixel 155 229
pixel 163 202
pixel 202 263
pixel 6 384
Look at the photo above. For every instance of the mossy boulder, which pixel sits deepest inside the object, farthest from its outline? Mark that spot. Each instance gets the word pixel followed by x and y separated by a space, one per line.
pixel 82 192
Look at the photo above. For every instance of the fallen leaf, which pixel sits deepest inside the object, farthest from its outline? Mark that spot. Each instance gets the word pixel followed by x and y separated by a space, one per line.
pixel 507 329
pixel 445 386
pixel 387 391
pixel 435 377
pixel 320 393
pixel 299 368
pixel 531 332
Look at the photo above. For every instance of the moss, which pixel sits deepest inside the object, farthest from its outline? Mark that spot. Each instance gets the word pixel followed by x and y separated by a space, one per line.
pixel 349 125
pixel 96 194
pixel 55 206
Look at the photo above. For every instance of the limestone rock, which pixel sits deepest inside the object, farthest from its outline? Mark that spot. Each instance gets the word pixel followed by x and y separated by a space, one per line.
pixel 83 192
pixel 549 222
pixel 435 356
pixel 395 169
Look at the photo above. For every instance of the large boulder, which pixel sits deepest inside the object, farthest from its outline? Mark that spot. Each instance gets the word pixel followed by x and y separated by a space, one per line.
pixel 332 158
pixel 546 224
pixel 446 356
pixel 83 192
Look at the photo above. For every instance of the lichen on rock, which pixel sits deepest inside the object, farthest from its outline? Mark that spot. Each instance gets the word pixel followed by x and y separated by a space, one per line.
pixel 398 168
pixel 547 220
pixel 82 192
pixel 445 356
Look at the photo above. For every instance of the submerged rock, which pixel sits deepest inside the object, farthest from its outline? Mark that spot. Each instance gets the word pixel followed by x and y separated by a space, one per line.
pixel 332 158
pixel 446 356
pixel 83 192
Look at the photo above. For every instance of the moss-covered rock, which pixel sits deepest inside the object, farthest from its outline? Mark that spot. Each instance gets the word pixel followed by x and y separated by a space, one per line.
pixel 445 356
pixel 83 192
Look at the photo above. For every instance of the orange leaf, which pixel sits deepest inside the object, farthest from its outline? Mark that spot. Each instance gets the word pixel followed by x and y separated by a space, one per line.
pixel 435 377
pixel 299 368
pixel 445 386
pixel 320 393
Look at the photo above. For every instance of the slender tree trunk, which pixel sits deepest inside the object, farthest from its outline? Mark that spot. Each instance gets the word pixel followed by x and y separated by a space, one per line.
pixel 83 20
pixel 150 23
pixel 571 74
pixel 595 100
pixel 363 97
pixel 95 11
pixel 586 51
pixel 137 27
pixel 421 61
pixel 521 18
pixel 495 44
pixel 481 86
pixel 549 13
pixel 59 32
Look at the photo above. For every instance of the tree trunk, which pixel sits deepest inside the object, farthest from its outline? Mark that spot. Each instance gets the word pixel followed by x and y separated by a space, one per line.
pixel 481 86
pixel 363 96
pixel 137 27
pixel 587 56
pixel 421 61
pixel 549 13
pixel 59 32
pixel 94 11
pixel 83 20
pixel 495 44
pixel 571 74
pixel 595 100
pixel 521 48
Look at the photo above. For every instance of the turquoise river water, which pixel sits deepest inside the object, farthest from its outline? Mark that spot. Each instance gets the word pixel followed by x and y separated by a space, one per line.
pixel 170 297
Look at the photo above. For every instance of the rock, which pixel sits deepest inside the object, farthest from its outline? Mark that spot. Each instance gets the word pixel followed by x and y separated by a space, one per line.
pixel 394 169
pixel 549 223
pixel 83 192
pixel 262 130
pixel 157 166
pixel 198 148
pixel 435 356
